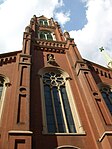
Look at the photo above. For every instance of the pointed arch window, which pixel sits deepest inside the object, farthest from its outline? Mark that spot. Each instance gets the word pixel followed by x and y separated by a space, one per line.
pixel 59 112
pixel 47 35
pixel 1 87
pixel 3 84
pixel 43 22
pixel 106 92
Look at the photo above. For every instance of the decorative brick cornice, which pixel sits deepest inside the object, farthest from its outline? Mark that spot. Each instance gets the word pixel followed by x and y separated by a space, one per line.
pixel 100 70
pixel 57 44
pixel 7 60
pixel 47 27
pixel 53 50
pixel 51 46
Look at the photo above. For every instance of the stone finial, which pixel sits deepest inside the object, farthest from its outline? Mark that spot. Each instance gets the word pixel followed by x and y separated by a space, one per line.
pixel 28 29
pixel 66 34
pixel 34 16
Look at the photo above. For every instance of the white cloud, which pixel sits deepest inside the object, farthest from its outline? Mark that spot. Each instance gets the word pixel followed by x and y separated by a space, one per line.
pixel 15 15
pixel 63 17
pixel 97 32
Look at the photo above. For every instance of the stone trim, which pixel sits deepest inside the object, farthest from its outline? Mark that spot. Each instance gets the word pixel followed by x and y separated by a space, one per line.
pixel 12 132
pixel 106 133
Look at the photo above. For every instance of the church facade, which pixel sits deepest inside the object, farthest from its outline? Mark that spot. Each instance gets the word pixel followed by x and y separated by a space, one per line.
pixel 52 98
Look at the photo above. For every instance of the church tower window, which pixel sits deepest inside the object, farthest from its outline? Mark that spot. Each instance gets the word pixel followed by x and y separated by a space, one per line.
pixel 43 22
pixel 47 35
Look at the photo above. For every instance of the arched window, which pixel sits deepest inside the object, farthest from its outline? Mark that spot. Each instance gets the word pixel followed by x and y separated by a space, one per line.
pixel 3 81
pixel 1 86
pixel 47 35
pixel 59 111
pixel 43 22
pixel 106 92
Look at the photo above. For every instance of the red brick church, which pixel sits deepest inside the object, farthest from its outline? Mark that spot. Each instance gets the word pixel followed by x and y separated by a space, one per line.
pixel 52 98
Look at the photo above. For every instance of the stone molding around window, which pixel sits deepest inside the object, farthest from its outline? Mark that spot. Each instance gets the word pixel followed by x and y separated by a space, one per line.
pixel 55 82
pixel 4 83
pixel 106 92
pixel 67 147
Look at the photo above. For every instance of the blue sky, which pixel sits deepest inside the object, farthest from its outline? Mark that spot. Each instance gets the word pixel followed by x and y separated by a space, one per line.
pixel 89 22
pixel 1 1
pixel 77 11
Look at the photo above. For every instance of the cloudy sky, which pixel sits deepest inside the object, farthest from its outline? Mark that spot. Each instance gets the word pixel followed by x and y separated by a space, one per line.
pixel 88 21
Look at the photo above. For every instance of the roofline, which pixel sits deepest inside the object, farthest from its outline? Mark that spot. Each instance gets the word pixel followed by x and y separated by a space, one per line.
pixel 98 65
pixel 10 53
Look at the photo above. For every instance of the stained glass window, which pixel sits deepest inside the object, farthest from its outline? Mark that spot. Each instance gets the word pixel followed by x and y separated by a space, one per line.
pixel 107 96
pixel 57 108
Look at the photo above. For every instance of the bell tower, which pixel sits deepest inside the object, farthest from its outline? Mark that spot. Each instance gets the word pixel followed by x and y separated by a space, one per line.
pixel 62 90
pixel 47 36
pixel 53 58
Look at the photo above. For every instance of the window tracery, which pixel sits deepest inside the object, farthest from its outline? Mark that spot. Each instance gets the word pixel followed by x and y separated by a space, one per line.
pixel 58 112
